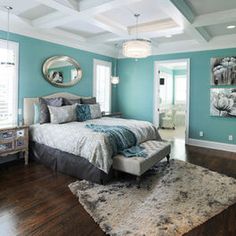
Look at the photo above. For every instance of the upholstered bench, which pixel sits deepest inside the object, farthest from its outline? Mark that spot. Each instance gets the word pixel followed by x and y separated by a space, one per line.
pixel 156 150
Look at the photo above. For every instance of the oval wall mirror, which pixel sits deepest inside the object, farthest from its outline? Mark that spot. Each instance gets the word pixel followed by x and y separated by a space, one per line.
pixel 62 71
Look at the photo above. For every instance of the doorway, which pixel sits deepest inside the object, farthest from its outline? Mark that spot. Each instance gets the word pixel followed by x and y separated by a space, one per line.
pixel 171 99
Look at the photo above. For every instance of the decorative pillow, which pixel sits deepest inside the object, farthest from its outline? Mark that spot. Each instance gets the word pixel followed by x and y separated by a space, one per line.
pixel 62 114
pixel 36 113
pixel 88 100
pixel 71 101
pixel 88 111
pixel 44 116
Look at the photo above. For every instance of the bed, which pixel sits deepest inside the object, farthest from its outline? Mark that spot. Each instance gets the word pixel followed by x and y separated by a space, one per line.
pixel 73 149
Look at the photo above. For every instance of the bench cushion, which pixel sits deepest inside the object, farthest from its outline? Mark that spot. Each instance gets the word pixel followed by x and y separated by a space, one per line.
pixel 156 150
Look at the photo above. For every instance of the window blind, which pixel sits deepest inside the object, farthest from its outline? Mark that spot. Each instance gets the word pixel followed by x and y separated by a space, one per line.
pixel 102 90
pixel 8 83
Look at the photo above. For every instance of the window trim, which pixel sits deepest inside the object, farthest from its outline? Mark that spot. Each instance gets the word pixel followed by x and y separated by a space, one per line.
pixel 104 63
pixel 15 47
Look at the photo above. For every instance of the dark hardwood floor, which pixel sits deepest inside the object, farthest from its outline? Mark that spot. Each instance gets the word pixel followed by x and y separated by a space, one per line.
pixel 34 200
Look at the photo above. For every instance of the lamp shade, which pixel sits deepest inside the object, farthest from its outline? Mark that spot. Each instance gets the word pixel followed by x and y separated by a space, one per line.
pixel 115 80
pixel 137 48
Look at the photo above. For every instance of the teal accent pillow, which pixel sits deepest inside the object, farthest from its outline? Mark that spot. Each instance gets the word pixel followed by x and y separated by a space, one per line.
pixel 36 113
pixel 83 112
pixel 88 111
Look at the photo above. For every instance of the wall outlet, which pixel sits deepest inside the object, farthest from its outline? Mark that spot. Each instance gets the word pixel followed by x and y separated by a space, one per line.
pixel 201 133
pixel 231 138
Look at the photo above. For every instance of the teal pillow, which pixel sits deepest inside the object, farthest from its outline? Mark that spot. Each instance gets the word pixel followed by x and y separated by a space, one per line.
pixel 36 113
pixel 83 112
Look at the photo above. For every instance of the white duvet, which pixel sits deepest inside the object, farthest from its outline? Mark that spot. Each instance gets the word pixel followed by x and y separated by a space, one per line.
pixel 75 138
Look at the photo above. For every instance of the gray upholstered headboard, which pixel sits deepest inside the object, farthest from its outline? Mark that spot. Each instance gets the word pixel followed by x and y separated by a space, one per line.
pixel 29 105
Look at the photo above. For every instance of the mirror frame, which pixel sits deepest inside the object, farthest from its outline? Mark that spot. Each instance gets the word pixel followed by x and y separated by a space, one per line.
pixel 51 60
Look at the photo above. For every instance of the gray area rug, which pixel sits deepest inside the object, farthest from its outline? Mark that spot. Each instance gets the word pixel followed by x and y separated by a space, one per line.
pixel 172 200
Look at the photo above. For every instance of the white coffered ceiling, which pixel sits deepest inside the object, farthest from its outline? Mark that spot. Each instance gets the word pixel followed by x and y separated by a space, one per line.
pixel 102 25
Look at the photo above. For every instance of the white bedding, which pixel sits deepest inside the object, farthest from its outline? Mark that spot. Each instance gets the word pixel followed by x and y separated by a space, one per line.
pixel 75 138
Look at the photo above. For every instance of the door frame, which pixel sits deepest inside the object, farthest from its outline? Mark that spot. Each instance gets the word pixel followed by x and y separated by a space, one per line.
pixel 156 89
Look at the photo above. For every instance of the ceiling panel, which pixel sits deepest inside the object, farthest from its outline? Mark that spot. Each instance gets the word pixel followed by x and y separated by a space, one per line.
pixel 221 29
pixel 148 9
pixel 36 12
pixel 174 38
pixel 208 6
pixel 18 6
pixel 82 28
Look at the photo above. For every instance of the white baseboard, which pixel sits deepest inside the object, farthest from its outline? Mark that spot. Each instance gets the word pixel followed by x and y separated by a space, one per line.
pixel 212 145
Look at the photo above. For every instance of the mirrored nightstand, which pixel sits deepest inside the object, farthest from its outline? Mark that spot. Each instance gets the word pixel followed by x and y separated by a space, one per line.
pixel 14 140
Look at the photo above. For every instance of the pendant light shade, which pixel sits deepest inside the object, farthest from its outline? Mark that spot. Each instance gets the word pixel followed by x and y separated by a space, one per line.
pixel 137 48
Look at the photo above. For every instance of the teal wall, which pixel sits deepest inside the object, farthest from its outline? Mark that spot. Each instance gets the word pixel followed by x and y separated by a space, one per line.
pixel 135 93
pixel 32 54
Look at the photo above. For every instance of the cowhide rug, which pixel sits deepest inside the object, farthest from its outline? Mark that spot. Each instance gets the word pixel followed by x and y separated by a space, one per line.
pixel 172 200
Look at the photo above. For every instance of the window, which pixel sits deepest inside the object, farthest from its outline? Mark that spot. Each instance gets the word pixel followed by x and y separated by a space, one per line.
pixel 102 84
pixel 8 83
pixel 180 89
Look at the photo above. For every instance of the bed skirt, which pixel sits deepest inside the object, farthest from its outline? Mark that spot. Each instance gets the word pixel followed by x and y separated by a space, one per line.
pixel 67 163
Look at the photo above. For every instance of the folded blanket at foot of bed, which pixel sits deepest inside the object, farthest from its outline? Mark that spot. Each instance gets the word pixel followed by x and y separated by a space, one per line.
pixel 122 140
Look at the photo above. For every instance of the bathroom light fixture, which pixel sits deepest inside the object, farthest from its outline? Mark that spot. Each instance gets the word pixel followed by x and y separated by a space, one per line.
pixel 137 48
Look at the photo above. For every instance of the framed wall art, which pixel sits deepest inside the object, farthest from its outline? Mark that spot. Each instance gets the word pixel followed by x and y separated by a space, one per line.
pixel 223 71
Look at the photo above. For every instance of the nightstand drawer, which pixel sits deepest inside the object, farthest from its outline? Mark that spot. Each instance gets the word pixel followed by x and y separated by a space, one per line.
pixel 6 147
pixel 7 135
pixel 20 143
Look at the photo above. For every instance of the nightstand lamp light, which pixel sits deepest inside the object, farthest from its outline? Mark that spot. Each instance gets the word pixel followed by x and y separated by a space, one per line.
pixel 115 79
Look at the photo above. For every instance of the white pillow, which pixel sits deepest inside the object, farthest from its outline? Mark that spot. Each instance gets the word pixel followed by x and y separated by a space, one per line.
pixel 62 114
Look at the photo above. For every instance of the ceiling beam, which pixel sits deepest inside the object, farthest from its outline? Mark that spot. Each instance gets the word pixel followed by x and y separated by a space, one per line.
pixel 70 3
pixel 182 15
pixel 219 17
pixel 20 26
pixel 105 37
pixel 110 37
pixel 48 20
pixel 86 4
pixel 109 25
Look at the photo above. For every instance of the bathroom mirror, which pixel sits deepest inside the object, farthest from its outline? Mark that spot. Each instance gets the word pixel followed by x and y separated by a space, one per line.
pixel 62 71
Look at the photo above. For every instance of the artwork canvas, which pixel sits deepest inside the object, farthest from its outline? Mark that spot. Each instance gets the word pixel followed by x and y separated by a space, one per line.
pixel 223 102
pixel 223 71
